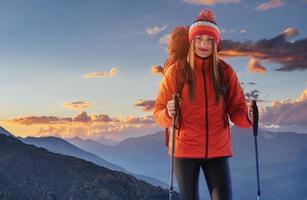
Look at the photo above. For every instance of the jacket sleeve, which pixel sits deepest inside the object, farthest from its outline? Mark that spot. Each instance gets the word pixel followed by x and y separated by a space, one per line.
pixel 166 90
pixel 236 103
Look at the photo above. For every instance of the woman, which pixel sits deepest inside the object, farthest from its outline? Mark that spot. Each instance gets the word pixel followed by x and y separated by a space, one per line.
pixel 211 92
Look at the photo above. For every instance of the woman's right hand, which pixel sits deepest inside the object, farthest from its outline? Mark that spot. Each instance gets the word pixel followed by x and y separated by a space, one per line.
pixel 171 107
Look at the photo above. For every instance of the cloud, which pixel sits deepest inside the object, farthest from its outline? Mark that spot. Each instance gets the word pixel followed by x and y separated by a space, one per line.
pixel 147 105
pixel 210 2
pixel 303 96
pixel 255 66
pixel 271 4
pixel 136 120
pixel 31 120
pixel 88 126
pixel 290 55
pixel 77 105
pixel 101 118
pixel 290 32
pixel 152 31
pixel 251 83
pixel 287 112
pixel 47 120
pixel 254 94
pixel 243 31
pixel 82 117
pixel 272 126
pixel 156 69
pixel 106 74
pixel 165 39
pixel 232 31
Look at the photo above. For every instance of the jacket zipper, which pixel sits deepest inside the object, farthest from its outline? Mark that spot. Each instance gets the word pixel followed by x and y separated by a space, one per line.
pixel 207 120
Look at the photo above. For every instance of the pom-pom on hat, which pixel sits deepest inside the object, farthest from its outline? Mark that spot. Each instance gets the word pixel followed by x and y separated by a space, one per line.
pixel 205 24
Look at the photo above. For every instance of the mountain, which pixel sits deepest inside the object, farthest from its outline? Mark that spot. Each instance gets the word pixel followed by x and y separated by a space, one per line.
pixel 5 132
pixel 95 146
pixel 281 155
pixel 273 147
pixel 29 172
pixel 58 145
pixel 145 155
pixel 106 141
pixel 287 186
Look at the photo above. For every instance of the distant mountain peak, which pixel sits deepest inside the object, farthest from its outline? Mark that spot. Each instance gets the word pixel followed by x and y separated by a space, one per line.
pixel 5 132
pixel 76 138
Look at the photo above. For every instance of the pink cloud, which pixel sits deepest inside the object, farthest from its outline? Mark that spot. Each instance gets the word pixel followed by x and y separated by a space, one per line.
pixel 147 105
pixel 82 117
pixel 154 30
pixel 165 39
pixel 156 69
pixel 287 112
pixel 106 74
pixel 290 55
pixel 271 4
pixel 31 120
pixel 77 105
pixel 101 118
pixel 255 67
pixel 88 126
pixel 210 2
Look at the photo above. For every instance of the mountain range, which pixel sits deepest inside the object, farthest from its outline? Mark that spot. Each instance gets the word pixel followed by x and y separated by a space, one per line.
pixel 30 172
pixel 58 145
pixel 281 158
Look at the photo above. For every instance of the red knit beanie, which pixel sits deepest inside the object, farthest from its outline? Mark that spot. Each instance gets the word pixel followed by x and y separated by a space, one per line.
pixel 205 24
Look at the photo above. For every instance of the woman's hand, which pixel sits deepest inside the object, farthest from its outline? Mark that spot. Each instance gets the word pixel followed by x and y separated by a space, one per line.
pixel 171 107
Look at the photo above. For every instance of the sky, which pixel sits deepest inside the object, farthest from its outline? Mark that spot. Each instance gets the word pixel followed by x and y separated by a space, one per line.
pixel 84 68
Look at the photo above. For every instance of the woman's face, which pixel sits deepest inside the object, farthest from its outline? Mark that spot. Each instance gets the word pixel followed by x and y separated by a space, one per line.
pixel 203 46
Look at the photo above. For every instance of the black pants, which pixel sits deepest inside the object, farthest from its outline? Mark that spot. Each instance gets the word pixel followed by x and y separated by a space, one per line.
pixel 217 174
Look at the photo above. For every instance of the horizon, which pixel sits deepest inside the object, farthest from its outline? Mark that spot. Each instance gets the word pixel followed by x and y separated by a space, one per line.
pixel 114 142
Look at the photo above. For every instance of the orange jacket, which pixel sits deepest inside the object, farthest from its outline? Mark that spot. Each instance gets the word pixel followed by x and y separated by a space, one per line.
pixel 203 133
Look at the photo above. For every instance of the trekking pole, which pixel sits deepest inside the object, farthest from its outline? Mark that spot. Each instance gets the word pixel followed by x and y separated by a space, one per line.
pixel 174 117
pixel 255 130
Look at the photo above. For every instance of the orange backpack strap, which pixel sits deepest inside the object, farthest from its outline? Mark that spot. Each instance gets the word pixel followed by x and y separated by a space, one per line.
pixel 224 78
pixel 224 88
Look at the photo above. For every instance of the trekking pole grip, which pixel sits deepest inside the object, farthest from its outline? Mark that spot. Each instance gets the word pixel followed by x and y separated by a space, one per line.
pixel 176 100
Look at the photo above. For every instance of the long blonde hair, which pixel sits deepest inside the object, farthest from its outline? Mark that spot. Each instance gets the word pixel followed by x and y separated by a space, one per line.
pixel 215 71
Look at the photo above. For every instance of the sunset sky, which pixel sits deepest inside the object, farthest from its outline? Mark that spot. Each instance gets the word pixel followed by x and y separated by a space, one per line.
pixel 84 68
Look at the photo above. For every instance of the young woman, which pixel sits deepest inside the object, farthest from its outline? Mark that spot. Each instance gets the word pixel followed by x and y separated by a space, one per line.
pixel 211 93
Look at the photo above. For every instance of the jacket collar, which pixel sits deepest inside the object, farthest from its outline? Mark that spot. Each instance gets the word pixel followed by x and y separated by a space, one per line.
pixel 199 62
